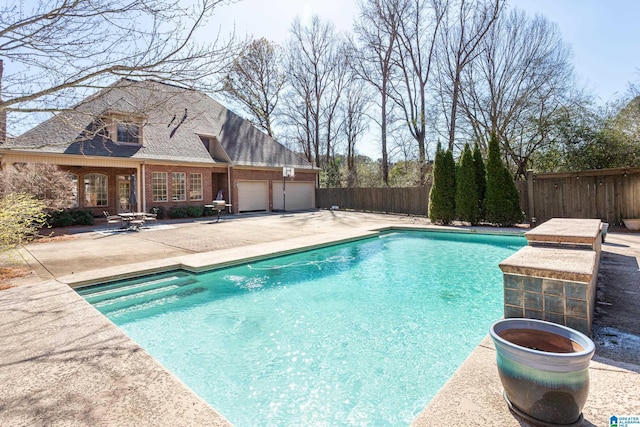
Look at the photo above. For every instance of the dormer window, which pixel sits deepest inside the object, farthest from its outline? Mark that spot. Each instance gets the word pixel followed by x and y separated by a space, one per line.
pixel 124 128
pixel 128 133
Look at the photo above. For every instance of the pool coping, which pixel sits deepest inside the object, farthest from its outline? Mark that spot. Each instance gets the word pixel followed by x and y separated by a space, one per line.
pixel 202 261
pixel 228 257
pixel 151 383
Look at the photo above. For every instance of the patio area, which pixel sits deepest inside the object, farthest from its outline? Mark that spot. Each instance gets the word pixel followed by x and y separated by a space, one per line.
pixel 62 363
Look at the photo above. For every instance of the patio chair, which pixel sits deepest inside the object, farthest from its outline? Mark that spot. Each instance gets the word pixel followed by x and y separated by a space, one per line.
pixel 152 217
pixel 112 219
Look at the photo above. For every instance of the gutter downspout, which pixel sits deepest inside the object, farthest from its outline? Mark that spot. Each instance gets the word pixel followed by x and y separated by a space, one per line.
pixel 229 186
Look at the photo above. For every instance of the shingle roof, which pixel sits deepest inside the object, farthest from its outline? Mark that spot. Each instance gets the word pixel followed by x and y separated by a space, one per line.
pixel 174 119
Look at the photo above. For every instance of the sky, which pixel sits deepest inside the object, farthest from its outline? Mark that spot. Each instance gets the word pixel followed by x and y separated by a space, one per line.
pixel 602 35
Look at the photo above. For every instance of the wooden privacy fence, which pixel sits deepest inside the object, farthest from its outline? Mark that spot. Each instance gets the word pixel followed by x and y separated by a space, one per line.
pixel 411 200
pixel 610 195
pixel 607 194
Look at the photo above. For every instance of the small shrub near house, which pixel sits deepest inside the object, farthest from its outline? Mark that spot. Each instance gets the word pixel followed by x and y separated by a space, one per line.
pixel 195 211
pixel 60 218
pixel 191 211
pixel 67 218
pixel 177 212
pixel 82 217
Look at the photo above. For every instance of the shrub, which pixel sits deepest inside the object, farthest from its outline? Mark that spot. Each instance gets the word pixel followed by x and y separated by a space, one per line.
pixel 66 218
pixel 467 206
pixel 60 218
pixel 177 212
pixel 194 211
pixel 502 201
pixel 481 177
pixel 443 190
pixel 82 217
pixel 21 218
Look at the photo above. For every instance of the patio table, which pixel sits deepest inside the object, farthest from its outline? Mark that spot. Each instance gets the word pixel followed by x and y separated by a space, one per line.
pixel 134 220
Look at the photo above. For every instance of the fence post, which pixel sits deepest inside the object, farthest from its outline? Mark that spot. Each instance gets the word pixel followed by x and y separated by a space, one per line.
pixel 531 211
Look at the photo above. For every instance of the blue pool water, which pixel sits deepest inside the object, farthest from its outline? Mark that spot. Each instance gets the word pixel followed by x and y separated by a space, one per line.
pixel 360 334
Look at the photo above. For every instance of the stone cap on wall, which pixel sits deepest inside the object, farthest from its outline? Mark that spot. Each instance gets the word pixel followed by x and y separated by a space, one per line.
pixel 562 264
pixel 566 230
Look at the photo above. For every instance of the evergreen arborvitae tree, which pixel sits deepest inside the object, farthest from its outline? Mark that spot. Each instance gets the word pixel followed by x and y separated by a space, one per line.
pixel 502 201
pixel 467 206
pixel 481 177
pixel 435 195
pixel 443 189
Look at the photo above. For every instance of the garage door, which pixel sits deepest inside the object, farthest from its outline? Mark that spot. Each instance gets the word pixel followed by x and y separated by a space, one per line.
pixel 253 196
pixel 300 196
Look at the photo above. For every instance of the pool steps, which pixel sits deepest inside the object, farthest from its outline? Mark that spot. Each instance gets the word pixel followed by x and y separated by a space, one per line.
pixel 119 298
pixel 120 289
pixel 129 297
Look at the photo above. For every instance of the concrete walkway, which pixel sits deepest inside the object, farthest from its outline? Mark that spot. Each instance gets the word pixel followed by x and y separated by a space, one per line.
pixel 63 363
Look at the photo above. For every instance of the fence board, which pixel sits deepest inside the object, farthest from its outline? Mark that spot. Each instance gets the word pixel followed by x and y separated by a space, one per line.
pixel 410 200
pixel 608 194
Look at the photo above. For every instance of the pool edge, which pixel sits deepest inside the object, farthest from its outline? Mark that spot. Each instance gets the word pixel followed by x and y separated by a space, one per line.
pixel 200 262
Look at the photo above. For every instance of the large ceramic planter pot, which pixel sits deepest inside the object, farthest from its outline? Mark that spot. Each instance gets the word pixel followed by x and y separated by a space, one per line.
pixel 543 367
pixel 632 224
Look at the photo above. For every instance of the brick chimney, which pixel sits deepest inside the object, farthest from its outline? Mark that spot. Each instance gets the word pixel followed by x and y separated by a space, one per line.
pixel 3 113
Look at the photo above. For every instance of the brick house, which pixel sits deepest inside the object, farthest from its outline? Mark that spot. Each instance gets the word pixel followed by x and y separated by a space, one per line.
pixel 136 145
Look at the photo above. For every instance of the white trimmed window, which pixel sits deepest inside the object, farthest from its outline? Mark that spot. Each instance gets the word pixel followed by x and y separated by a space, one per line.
pixel 159 186
pixel 128 133
pixel 178 186
pixel 122 128
pixel 195 186
pixel 95 190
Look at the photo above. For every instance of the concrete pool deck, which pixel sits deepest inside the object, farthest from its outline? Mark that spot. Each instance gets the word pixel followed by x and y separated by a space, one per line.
pixel 63 363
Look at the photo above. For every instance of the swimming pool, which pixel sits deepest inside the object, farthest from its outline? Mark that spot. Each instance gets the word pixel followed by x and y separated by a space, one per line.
pixel 361 333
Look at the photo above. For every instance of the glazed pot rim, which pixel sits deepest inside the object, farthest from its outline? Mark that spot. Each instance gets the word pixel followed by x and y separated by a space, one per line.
pixel 541 325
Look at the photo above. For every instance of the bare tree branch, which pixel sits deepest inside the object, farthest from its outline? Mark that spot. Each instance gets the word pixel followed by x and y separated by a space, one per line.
pixel 313 59
pixel 416 54
pixel 517 85
pixel 256 79
pixel 56 52
pixel 467 24
pixel 377 30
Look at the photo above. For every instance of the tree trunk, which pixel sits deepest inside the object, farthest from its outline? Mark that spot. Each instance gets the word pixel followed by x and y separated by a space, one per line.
pixel 383 130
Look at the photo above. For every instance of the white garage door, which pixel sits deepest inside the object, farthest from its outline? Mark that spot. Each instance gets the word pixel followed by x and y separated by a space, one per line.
pixel 299 196
pixel 253 196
